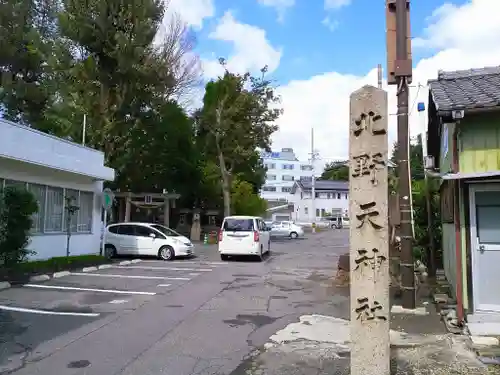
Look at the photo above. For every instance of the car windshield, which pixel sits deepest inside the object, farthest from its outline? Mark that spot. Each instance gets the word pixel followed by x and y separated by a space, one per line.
pixel 166 231
pixel 238 225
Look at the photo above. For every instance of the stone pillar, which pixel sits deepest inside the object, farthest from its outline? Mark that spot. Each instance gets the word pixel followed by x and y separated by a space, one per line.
pixel 166 213
pixel 196 226
pixel 127 208
pixel 369 232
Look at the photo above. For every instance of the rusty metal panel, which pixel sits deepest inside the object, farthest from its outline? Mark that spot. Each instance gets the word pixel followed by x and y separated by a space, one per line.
pixel 390 17
pixel 394 213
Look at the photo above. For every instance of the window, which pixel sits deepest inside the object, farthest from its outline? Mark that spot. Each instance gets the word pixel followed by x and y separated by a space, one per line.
pixel 71 197
pixel 306 167
pixel 39 192
pixel 15 184
pixel 126 230
pixel 306 178
pixel 316 195
pixel 306 210
pixel 328 196
pixel 55 209
pixel 238 225
pixel 338 195
pixel 287 166
pixel 271 177
pixel 86 211
pixel 141 231
pixel 345 195
pixel 114 229
pixel 317 212
pixel 270 166
pixel 287 178
pixel 323 212
pixel 286 189
pixel 165 230
pixel 269 188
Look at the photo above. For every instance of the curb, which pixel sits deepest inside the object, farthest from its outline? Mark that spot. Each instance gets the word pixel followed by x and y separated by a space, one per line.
pixel 89 269
pixel 57 275
pixel 45 277
pixel 483 342
pixel 39 278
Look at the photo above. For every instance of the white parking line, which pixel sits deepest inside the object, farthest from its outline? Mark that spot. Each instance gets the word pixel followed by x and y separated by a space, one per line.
pixel 166 268
pixel 205 263
pixel 46 312
pixel 163 285
pixel 87 289
pixel 130 276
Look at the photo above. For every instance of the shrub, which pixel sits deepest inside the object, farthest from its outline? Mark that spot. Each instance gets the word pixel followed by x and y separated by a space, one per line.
pixel 16 209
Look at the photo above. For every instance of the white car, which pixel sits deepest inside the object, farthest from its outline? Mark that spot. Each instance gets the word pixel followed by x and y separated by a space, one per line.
pixel 145 239
pixel 244 235
pixel 286 229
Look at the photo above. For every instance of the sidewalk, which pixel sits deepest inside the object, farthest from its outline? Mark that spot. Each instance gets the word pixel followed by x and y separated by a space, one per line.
pixel 319 345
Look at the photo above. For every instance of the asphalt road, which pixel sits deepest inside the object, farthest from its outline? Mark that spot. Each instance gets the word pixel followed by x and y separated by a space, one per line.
pixel 188 317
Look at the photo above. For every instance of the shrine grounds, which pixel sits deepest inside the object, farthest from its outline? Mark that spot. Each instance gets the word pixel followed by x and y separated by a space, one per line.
pixel 286 315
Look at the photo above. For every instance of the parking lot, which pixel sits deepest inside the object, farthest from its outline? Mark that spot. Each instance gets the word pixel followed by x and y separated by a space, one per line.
pixel 149 316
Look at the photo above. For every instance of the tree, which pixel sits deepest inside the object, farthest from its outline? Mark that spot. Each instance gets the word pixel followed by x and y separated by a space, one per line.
pixel 336 171
pixel 237 117
pixel 245 200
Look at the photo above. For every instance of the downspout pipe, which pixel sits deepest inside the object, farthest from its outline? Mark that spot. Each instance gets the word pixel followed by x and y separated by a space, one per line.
pixel 458 236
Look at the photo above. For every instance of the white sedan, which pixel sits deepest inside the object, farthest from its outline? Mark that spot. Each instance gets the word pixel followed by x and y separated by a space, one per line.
pixel 145 239
pixel 286 229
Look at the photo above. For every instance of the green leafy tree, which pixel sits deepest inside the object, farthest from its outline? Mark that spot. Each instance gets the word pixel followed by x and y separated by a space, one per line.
pixel 237 117
pixel 336 171
pixel 245 201
pixel 16 209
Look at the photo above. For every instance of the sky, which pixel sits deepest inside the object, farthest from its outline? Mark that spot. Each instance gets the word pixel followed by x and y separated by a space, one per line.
pixel 320 51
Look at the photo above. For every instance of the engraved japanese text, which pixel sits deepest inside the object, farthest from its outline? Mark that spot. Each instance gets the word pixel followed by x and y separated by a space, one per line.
pixel 372 259
pixel 368 122
pixel 367 165
pixel 368 215
pixel 367 311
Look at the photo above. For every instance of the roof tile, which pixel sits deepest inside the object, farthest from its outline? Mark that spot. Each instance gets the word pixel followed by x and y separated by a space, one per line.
pixel 466 89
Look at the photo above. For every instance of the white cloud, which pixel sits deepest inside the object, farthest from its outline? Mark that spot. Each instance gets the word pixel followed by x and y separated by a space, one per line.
pixel 336 4
pixel 280 5
pixel 463 39
pixel 192 12
pixel 332 25
pixel 251 48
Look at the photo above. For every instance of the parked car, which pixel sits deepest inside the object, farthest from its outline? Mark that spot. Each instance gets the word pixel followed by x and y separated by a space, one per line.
pixel 286 229
pixel 339 222
pixel 244 235
pixel 145 239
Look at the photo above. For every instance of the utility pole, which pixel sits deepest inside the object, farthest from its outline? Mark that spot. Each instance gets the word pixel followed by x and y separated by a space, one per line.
pixel 313 183
pixel 400 73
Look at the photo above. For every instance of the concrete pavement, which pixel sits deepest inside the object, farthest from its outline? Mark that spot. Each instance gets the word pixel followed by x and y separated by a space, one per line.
pixel 198 316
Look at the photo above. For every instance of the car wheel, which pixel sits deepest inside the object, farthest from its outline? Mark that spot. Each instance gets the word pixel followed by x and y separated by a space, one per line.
pixel 166 253
pixel 109 251
pixel 294 235
pixel 224 257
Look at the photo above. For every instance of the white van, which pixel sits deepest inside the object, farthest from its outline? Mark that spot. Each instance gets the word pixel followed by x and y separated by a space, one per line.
pixel 244 235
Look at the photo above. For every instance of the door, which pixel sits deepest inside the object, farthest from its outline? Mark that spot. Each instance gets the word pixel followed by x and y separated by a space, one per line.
pixel 126 240
pixel 485 241
pixel 264 234
pixel 145 242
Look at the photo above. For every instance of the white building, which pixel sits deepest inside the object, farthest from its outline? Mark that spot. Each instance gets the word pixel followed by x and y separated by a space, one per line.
pixel 52 168
pixel 332 198
pixel 283 169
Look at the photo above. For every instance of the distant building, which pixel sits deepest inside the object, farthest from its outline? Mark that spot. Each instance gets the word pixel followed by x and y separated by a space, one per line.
pixel 332 198
pixel 51 169
pixel 283 169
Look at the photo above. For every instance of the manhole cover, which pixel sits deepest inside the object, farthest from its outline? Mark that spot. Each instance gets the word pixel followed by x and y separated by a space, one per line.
pixel 79 364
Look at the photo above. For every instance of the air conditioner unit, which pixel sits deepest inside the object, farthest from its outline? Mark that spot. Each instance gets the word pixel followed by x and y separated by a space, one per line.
pixel 429 162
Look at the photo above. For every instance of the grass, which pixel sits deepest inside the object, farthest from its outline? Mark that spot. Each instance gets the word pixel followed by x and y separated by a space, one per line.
pixel 22 271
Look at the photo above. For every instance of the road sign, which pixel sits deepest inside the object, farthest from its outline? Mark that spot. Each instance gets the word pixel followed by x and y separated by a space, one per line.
pixel 107 199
